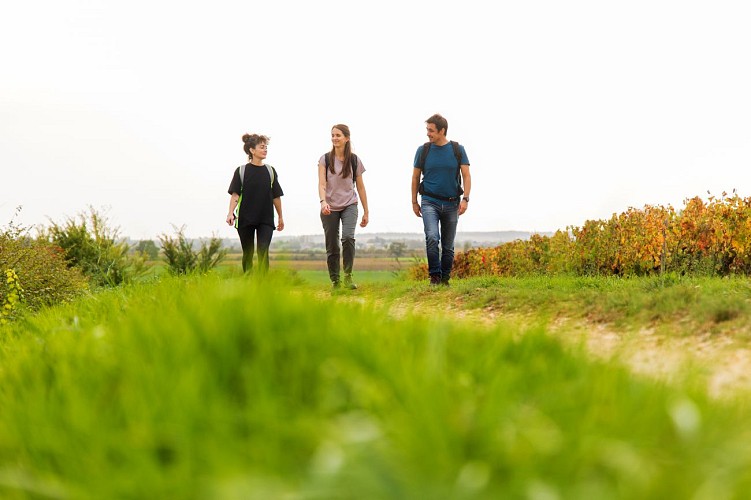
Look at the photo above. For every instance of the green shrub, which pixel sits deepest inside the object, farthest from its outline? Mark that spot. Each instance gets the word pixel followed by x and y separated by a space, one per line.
pixel 182 259
pixel 34 273
pixel 149 248
pixel 90 244
pixel 13 296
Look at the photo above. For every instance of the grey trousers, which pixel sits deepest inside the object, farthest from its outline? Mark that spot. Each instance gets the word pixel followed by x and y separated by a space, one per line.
pixel 348 220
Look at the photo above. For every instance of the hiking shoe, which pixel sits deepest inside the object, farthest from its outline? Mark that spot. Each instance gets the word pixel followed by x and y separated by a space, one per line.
pixel 435 279
pixel 336 284
pixel 348 282
pixel 445 281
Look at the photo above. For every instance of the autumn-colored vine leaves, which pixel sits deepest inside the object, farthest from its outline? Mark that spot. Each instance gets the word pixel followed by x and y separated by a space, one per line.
pixel 710 237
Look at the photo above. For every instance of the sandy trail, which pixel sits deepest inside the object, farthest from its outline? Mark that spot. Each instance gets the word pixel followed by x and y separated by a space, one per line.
pixel 721 362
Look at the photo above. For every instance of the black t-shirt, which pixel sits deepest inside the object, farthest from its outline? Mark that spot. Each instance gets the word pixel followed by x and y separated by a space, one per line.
pixel 257 206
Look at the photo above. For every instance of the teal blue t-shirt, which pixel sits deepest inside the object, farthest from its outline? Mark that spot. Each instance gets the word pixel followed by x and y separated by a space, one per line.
pixel 439 172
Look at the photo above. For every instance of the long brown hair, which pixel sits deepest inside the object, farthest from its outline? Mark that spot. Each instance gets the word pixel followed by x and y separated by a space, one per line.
pixel 347 167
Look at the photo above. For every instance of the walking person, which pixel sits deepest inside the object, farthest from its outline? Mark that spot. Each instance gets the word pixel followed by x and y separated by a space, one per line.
pixel 254 195
pixel 339 184
pixel 443 166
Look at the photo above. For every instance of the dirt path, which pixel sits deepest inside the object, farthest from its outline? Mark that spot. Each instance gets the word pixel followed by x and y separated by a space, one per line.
pixel 720 361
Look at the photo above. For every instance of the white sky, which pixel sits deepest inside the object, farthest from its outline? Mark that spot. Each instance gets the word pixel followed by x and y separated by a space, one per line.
pixel 569 111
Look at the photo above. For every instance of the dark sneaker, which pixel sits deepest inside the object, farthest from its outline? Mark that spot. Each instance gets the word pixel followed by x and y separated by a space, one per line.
pixel 336 284
pixel 445 281
pixel 435 279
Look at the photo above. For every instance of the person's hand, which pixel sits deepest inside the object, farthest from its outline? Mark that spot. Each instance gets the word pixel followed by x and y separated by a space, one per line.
pixel 463 207
pixel 416 209
pixel 230 219
pixel 364 221
pixel 325 208
pixel 280 225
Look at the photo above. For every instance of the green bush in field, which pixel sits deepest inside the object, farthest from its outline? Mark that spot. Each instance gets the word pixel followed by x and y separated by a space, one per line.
pixel 92 245
pixel 34 272
pixel 148 248
pixel 181 259
pixel 12 297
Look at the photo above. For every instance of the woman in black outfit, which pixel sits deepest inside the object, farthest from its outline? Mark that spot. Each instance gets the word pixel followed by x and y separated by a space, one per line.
pixel 254 195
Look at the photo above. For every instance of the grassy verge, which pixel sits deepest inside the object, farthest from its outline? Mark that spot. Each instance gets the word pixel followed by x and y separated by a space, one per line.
pixel 238 388
pixel 363 278
pixel 673 306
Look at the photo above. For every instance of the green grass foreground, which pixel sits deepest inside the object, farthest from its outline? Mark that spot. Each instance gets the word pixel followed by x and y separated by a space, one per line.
pixel 230 388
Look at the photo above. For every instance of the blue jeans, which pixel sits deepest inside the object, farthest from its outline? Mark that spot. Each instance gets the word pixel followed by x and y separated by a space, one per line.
pixel 446 215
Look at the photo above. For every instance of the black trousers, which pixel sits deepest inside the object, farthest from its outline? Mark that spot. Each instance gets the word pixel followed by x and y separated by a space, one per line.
pixel 248 235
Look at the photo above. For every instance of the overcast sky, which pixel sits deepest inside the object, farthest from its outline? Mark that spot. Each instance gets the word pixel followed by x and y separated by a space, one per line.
pixel 569 111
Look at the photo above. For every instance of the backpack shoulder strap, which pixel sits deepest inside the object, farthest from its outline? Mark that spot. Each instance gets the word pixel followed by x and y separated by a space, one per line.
pixel 241 171
pixel 242 176
pixel 423 155
pixel 353 159
pixel 457 152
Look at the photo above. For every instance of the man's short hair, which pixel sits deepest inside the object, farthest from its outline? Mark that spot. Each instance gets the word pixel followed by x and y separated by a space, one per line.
pixel 439 122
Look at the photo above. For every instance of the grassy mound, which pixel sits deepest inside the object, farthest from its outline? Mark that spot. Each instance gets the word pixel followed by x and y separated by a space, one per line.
pixel 230 388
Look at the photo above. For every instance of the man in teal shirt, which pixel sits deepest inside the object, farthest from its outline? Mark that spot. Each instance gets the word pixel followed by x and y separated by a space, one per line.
pixel 440 163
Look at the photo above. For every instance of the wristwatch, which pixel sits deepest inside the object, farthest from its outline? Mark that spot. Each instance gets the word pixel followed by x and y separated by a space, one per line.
pixel 465 199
